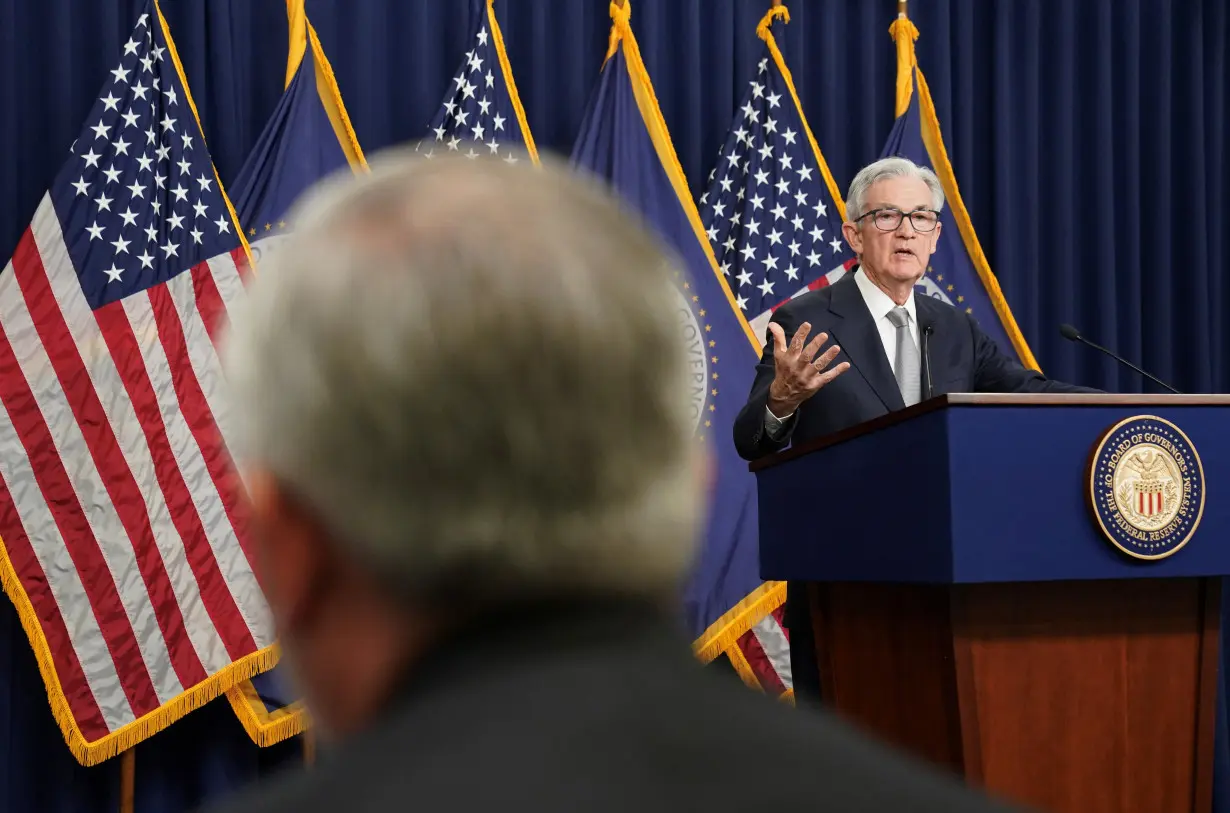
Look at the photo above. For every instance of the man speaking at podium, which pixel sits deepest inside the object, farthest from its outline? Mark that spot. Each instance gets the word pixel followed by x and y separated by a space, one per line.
pixel 890 349
pixel 898 348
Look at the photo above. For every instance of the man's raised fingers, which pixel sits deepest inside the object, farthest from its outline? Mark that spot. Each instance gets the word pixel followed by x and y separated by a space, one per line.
pixel 829 375
pixel 826 358
pixel 778 337
pixel 800 336
pixel 813 346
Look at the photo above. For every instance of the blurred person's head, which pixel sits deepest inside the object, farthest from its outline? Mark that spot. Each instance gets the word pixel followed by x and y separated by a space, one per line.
pixel 459 385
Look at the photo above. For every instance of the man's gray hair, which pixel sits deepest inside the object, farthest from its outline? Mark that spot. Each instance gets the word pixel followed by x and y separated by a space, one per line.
pixel 474 374
pixel 894 167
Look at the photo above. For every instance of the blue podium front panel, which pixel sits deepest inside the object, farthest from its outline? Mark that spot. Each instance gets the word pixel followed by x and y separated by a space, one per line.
pixel 978 493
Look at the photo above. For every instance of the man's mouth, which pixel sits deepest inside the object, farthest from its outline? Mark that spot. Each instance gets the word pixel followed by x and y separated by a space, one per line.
pixel 904 252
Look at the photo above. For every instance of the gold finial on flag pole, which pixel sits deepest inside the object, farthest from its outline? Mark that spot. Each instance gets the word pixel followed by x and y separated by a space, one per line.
pixel 901 10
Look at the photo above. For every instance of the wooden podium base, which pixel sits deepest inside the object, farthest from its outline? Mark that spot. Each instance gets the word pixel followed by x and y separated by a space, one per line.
pixel 1068 696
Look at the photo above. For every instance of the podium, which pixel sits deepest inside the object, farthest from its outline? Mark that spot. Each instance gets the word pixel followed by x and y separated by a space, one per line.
pixel 968 606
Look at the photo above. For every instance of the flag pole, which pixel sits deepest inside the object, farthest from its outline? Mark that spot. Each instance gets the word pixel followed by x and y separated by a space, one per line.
pixel 309 748
pixel 128 779
pixel 901 8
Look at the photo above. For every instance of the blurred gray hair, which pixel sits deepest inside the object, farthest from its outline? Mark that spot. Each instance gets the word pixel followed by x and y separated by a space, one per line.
pixel 895 167
pixel 473 373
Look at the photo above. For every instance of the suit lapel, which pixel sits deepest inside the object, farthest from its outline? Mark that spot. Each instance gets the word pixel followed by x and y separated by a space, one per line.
pixel 859 339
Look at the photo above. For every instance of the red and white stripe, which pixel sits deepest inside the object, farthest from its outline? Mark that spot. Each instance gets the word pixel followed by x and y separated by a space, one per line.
pixel 1149 501
pixel 120 509
pixel 766 648
pixel 760 324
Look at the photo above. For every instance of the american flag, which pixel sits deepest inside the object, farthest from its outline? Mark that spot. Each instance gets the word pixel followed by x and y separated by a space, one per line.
pixel 769 212
pixel 772 216
pixel 481 113
pixel 122 517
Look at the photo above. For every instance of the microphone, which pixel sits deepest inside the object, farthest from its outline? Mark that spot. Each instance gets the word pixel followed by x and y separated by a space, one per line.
pixel 926 348
pixel 1073 335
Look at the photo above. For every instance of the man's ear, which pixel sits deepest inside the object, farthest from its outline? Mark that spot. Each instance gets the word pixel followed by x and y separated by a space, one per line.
pixel 853 237
pixel 291 549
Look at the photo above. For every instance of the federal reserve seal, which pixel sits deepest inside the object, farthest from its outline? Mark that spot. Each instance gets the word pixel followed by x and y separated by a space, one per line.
pixel 1146 487
pixel 696 343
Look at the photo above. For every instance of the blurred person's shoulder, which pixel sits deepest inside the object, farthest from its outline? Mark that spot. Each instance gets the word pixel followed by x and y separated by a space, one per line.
pixel 809 755
pixel 604 717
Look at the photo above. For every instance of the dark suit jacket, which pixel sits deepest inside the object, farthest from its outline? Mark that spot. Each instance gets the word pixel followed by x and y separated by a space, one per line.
pixel 599 708
pixel 963 359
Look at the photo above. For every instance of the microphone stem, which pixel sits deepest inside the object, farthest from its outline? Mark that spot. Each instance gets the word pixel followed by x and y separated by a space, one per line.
pixel 1124 361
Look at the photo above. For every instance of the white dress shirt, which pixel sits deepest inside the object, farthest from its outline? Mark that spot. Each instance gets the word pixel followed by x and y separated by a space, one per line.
pixel 879 304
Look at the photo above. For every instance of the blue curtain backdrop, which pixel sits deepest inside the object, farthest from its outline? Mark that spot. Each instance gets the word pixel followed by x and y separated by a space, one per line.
pixel 1088 137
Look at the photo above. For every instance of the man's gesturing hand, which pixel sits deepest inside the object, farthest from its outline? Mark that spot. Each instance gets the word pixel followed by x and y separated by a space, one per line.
pixel 799 374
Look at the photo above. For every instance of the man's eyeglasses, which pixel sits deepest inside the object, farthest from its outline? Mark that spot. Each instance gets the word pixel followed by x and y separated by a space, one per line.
pixel 923 220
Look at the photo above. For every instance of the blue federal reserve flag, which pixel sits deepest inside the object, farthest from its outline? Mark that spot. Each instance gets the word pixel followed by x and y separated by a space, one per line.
pixel 959 273
pixel 308 137
pixel 624 140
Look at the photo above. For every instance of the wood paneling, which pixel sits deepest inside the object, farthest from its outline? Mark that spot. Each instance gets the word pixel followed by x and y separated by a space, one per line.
pixel 1070 696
